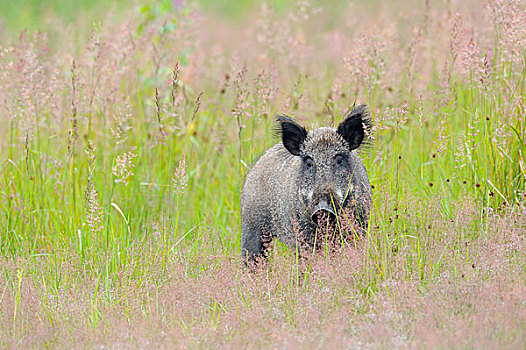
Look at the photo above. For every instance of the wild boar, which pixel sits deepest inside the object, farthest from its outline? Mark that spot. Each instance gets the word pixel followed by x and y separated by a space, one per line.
pixel 307 175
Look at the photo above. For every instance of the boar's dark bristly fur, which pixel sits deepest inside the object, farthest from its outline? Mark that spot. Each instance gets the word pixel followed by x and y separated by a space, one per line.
pixel 307 174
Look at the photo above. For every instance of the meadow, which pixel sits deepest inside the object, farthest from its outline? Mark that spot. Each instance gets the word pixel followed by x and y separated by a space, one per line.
pixel 124 144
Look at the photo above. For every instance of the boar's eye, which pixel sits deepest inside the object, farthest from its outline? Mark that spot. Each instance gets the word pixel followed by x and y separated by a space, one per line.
pixel 309 163
pixel 339 159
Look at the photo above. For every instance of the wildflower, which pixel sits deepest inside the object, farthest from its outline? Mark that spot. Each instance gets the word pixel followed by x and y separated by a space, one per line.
pixel 175 85
pixel 197 105
pixel 242 105
pixel 365 63
pixel 442 136
pixel 509 19
pixel 73 132
pixel 94 213
pixel 156 230
pixel 464 49
pixel 179 180
pixel 264 92
pixel 124 166
pixel 120 117
pixel 420 113
pixel 398 115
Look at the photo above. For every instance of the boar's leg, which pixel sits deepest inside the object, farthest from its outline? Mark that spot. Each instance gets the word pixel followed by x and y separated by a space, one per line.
pixel 255 241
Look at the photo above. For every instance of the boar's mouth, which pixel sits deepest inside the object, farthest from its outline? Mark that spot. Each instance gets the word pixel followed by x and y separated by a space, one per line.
pixel 322 212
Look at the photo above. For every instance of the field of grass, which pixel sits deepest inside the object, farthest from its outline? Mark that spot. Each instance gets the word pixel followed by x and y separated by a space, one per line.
pixel 124 146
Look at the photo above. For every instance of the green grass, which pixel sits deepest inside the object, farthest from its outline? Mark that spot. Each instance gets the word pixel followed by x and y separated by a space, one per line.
pixel 446 235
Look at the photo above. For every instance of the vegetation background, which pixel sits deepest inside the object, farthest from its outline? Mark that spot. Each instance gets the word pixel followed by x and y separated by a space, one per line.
pixel 126 131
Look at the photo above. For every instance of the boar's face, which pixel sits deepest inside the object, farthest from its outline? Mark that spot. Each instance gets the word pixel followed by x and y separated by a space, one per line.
pixel 327 167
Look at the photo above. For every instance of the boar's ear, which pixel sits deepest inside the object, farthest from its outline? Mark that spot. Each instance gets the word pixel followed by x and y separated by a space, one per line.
pixel 352 128
pixel 292 134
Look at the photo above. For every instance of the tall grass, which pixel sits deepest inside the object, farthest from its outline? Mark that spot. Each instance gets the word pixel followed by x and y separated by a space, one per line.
pixel 121 166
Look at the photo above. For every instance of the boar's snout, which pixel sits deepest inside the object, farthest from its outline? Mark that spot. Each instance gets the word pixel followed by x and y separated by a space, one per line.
pixel 324 209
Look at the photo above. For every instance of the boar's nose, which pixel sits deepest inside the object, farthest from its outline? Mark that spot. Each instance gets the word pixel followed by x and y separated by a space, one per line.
pixel 323 209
